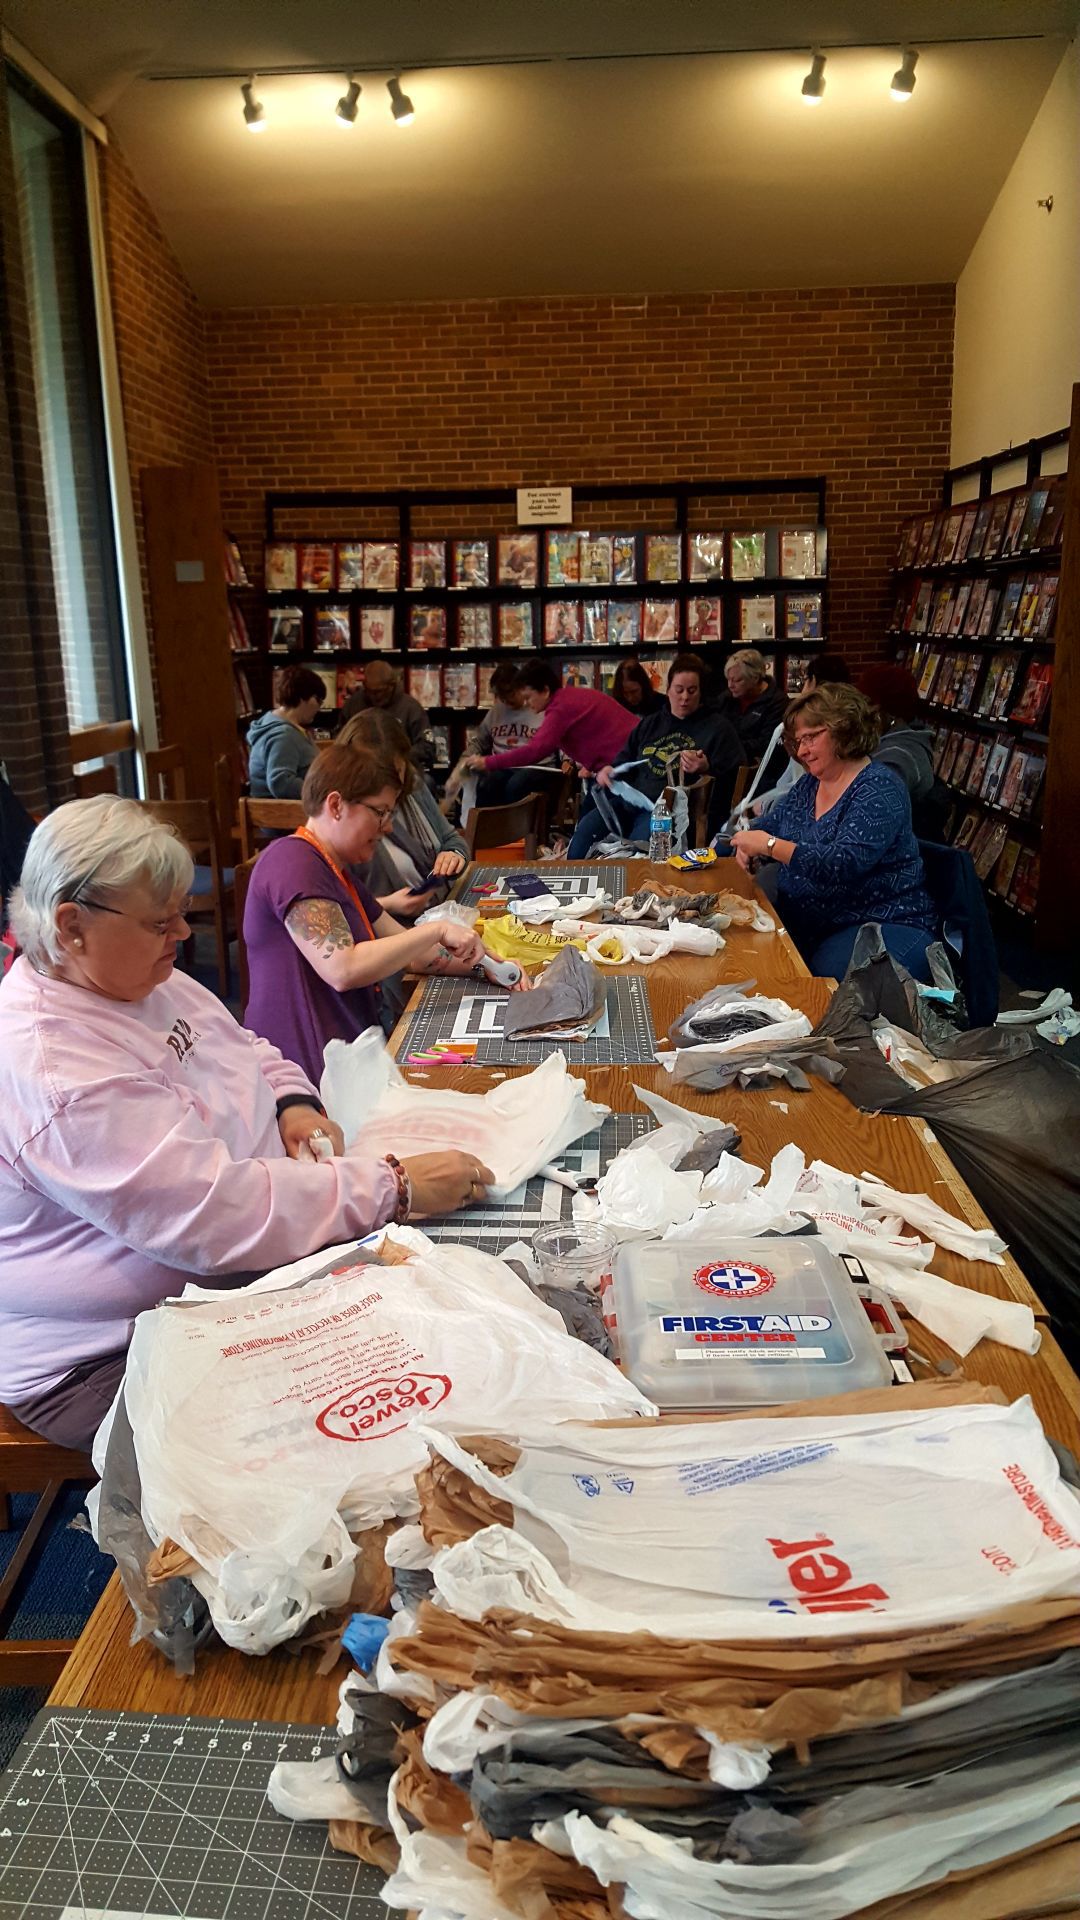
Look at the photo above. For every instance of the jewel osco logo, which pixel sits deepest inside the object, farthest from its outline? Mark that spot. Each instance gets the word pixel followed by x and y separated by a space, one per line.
pixel 733 1279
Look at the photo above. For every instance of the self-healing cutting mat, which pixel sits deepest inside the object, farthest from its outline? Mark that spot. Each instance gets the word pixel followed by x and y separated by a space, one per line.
pixel 456 1009
pixel 566 883
pixel 538 1202
pixel 136 1816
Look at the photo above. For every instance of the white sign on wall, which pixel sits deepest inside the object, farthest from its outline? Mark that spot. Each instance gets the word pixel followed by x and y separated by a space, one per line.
pixel 545 506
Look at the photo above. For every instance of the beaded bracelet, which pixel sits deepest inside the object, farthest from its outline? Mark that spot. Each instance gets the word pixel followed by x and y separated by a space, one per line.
pixel 404 1189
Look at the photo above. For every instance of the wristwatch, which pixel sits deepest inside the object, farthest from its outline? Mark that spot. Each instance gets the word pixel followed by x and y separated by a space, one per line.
pixel 770 843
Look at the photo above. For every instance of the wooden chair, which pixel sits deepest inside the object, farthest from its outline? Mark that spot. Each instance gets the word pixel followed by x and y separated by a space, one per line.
pixel 99 743
pixel 229 785
pixel 165 778
pixel 29 1464
pixel 282 816
pixel 699 793
pixel 196 823
pixel 242 873
pixel 489 827
pixel 743 777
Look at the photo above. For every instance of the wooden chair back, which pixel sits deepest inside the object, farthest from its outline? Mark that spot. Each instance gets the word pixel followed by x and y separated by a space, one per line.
pixel 743 777
pixel 196 823
pixel 504 826
pixel 281 816
pixel 99 742
pixel 242 873
pixel 229 780
pixel 29 1464
pixel 165 778
pixel 699 793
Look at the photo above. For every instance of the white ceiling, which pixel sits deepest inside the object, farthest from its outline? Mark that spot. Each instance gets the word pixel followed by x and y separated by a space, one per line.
pixel 569 175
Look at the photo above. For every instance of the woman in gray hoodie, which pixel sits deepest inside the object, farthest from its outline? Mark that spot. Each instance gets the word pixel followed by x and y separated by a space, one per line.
pixel 280 748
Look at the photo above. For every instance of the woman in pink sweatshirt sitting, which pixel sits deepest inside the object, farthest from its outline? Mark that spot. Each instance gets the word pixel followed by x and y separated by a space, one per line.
pixel 144 1135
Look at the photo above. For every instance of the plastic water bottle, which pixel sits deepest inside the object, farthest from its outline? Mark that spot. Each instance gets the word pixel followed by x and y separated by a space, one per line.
pixel 660 833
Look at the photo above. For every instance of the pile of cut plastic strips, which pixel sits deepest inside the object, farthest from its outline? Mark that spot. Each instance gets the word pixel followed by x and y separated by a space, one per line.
pixel 820 1663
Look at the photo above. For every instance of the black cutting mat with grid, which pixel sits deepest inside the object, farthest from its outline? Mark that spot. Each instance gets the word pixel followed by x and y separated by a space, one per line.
pixel 563 882
pixel 630 1038
pixel 140 1815
pixel 540 1202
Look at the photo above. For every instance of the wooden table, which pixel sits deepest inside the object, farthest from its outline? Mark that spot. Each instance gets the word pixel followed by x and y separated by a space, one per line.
pixel 106 1671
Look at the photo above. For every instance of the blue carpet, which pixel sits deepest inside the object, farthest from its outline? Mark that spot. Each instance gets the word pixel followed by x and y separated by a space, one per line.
pixel 67 1584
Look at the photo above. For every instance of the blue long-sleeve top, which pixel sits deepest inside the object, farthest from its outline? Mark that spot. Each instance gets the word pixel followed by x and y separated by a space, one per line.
pixel 859 862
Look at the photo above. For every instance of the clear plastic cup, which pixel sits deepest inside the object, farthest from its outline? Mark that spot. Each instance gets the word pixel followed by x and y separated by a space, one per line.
pixel 573 1256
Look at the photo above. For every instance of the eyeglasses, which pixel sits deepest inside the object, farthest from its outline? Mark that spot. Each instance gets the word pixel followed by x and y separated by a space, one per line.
pixel 159 928
pixel 812 733
pixel 382 814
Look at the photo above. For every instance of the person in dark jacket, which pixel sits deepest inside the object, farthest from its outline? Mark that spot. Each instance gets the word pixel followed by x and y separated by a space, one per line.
pixel 382 689
pixel 906 747
pixel 280 748
pixel 678 743
pixel 633 689
pixel 752 703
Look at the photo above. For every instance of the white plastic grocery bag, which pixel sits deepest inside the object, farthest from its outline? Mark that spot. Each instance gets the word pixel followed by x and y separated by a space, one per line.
pixel 763 1529
pixel 515 1128
pixel 269 1424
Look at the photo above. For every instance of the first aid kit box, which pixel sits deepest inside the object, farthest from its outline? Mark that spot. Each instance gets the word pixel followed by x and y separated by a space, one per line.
pixel 747 1323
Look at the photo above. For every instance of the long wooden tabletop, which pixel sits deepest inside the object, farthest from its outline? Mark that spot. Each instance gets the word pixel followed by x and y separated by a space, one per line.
pixel 106 1671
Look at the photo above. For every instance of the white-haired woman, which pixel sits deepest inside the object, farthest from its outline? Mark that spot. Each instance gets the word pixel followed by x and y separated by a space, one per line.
pixel 144 1135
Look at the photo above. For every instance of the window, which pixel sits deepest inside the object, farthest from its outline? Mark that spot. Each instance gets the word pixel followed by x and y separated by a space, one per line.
pixel 51 198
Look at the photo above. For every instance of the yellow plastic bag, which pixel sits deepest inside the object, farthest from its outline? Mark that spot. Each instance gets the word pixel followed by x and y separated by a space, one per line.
pixel 531 947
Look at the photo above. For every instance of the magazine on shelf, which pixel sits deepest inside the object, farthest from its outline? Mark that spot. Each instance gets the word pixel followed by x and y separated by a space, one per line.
pixel 1035 697
pixel 705 554
pixel 427 626
pixel 757 617
pixel 1024 892
pixel 382 566
pixel 285 629
pixel 427 565
pixel 1010 664
pixel 594 619
pixel 518 560
pixel 978 531
pixel 929 672
pixel 965 832
pixel 799 554
pixel 459 686
pixel 704 620
pixel 377 628
pixel 1049 534
pixel 1036 507
pixel 663 558
pixel 950 534
pixel 1010 601
pixel 425 685
pixel 903 608
pixel 563 558
pixel 920 618
pixel 333 632
pixel 624 559
pixel 624 623
pixel 964 759
pixel 959 609
pixel 939 618
pixel 989 612
pixel 350 680
pixel 979 591
pixel 938 740
pixel 350 565
pixel 748 556
pixel 595 559
pixel 475 625
pixel 1044 625
pixel 1009 795
pixel 995 529
pixel 977 770
pixel 660 623
pixel 963 540
pixel 483 685
pixel 1030 784
pixel 1017 511
pixel 796 668
pixel 1027 613
pixel 928 538
pixel 516 624
pixel 995 771
pixel 440 734
pixel 317 566
pixel 562 623
pixel 908 545
pixel 949 757
pixel 1006 867
pixel 989 850
pixel 471 563
pixel 579 673
pixel 281 572
pixel 948 681
pixel 969 680
pixel 802 616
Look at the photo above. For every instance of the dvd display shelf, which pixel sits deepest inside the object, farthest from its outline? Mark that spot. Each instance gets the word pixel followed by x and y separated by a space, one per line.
pixel 985 617
pixel 446 582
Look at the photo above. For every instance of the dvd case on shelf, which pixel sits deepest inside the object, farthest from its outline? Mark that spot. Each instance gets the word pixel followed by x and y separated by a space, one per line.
pixel 475 626
pixel 471 563
pixel 518 560
pixel 1035 696
pixel 281 569
pixel 350 565
pixel 624 623
pixel 285 629
pixel 425 685
pixel 427 565
pixel 562 623
pixel 333 632
pixel 382 566
pixel 516 623
pixel 705 555
pixel 440 734
pixel 377 628
pixel 427 626
pixel 317 566
pixel 460 685
pixel 660 623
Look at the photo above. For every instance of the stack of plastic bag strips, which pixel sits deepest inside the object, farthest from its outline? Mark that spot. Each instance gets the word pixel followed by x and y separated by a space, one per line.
pixel 822 1663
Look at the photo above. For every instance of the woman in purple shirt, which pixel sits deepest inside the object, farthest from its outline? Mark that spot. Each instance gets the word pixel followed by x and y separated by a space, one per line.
pixel 318 942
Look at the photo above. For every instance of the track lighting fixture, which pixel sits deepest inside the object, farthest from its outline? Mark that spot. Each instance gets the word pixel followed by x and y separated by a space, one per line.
pixel 813 87
pixel 254 111
pixel 346 108
pixel 902 84
pixel 400 105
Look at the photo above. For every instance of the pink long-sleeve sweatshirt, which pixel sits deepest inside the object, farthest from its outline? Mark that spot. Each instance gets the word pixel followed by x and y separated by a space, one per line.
pixel 139 1145
pixel 587 726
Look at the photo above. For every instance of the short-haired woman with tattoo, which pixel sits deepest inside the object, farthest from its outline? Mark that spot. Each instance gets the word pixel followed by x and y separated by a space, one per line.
pixel 318 942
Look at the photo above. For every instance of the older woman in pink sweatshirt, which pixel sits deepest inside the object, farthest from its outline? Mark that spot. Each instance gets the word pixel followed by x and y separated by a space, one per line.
pixel 144 1135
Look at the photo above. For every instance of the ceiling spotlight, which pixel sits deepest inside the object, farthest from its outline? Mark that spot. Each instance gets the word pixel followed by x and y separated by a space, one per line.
pixel 400 105
pixel 254 111
pixel 813 87
pixel 902 84
pixel 347 106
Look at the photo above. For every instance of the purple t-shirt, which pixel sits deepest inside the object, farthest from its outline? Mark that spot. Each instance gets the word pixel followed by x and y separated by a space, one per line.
pixel 288 1003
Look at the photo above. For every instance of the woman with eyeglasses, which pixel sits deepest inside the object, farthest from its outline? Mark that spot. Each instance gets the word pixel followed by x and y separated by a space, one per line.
pixel 318 941
pixel 145 1137
pixel 844 840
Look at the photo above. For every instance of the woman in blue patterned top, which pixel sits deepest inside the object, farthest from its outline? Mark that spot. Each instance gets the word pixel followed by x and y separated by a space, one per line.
pixel 844 840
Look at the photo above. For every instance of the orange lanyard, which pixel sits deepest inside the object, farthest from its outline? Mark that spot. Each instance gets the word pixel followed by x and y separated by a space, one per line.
pixel 302 833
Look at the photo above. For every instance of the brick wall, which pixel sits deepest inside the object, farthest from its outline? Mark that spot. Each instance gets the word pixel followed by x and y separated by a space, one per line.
pixel 853 383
